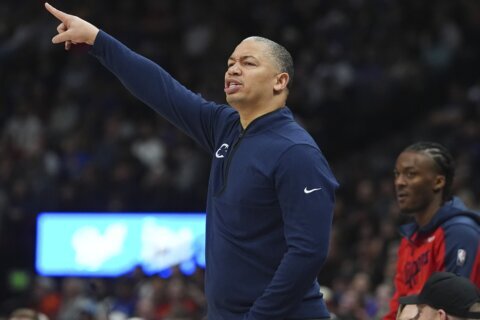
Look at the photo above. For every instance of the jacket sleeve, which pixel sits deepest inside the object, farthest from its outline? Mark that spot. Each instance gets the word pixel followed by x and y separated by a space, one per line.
pixel 155 87
pixel 462 247
pixel 306 191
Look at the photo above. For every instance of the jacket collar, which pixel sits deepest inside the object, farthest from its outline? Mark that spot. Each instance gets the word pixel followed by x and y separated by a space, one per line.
pixel 449 210
pixel 268 120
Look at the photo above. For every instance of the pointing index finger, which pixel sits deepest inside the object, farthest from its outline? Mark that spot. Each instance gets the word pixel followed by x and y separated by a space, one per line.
pixel 60 15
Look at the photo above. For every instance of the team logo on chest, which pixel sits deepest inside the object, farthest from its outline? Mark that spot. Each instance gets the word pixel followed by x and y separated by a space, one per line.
pixel 413 268
pixel 222 151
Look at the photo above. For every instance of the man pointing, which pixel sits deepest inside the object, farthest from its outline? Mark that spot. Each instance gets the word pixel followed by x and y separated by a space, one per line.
pixel 271 192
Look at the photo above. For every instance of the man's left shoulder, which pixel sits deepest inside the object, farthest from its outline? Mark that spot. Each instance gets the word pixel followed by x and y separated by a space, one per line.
pixel 461 228
pixel 466 219
pixel 294 134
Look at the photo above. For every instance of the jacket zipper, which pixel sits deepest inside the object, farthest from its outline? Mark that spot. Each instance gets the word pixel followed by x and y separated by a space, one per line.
pixel 229 160
pixel 234 147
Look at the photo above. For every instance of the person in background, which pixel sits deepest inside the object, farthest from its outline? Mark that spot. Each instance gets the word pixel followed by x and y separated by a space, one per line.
pixel 271 192
pixel 445 234
pixel 26 314
pixel 444 296
pixel 407 312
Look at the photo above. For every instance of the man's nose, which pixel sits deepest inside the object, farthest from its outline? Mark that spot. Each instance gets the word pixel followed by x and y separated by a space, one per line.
pixel 234 70
pixel 399 180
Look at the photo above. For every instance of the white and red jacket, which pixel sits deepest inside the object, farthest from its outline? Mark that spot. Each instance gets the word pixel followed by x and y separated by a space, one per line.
pixel 450 242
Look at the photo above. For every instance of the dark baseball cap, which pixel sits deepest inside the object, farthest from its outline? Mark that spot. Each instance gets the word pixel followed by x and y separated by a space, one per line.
pixel 449 292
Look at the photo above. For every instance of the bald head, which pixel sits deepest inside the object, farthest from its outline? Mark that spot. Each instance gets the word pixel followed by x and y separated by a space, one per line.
pixel 281 57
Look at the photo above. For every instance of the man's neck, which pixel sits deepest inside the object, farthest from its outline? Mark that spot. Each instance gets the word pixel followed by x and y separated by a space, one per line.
pixel 247 115
pixel 425 216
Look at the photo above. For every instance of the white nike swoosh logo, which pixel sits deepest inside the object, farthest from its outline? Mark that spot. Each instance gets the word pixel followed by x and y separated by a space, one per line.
pixel 311 190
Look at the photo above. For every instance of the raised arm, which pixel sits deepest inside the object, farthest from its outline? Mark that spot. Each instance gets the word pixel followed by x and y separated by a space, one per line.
pixel 146 80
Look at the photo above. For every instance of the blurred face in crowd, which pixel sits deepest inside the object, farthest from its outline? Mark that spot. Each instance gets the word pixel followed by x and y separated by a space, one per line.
pixel 417 182
pixel 426 312
pixel 252 79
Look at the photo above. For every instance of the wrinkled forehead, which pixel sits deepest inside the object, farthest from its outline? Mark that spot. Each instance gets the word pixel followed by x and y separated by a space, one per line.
pixel 252 48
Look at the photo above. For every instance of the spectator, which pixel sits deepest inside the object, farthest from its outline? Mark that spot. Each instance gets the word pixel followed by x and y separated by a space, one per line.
pixel 445 234
pixel 27 314
pixel 445 296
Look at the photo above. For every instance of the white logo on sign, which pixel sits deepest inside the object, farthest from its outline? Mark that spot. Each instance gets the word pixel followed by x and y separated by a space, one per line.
pixel 221 151
pixel 311 190
pixel 163 247
pixel 93 249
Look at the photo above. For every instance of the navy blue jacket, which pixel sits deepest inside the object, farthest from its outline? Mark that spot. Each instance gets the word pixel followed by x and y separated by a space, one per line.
pixel 270 196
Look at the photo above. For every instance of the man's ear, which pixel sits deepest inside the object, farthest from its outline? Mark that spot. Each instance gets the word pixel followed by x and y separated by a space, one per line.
pixel 281 81
pixel 439 183
pixel 442 315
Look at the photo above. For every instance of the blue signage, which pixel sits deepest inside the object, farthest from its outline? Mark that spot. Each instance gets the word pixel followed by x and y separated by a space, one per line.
pixel 107 244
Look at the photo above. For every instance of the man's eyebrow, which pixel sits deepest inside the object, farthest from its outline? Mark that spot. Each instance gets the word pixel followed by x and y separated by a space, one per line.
pixel 242 58
pixel 407 168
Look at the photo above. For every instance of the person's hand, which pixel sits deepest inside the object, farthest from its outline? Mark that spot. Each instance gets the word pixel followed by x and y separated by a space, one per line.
pixel 72 29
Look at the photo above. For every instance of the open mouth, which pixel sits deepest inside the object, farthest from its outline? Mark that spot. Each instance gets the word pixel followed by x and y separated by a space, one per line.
pixel 232 86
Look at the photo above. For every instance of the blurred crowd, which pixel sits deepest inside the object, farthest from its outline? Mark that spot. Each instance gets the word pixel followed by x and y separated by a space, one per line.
pixel 371 78
pixel 127 297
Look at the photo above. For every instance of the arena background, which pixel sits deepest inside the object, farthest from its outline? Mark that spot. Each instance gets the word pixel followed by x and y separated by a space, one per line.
pixel 371 78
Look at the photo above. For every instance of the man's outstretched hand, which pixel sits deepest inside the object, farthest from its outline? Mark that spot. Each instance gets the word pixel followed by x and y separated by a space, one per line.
pixel 72 29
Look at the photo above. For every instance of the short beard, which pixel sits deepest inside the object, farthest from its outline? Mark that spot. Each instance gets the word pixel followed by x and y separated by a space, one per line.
pixel 408 211
pixel 412 210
